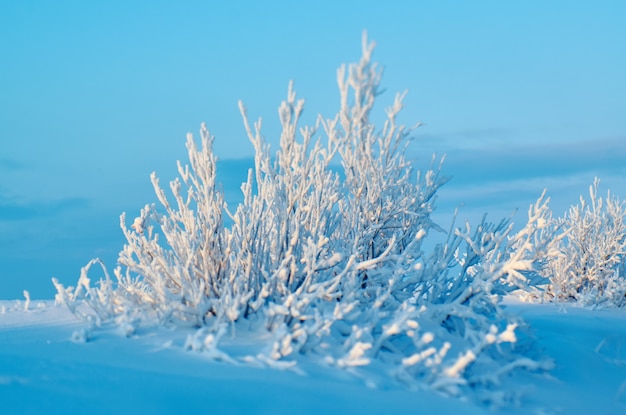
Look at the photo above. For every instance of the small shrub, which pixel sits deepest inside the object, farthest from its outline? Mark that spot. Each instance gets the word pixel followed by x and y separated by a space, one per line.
pixel 589 268
pixel 330 264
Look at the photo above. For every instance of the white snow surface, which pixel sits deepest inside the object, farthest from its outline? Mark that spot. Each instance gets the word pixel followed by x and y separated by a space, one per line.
pixel 46 368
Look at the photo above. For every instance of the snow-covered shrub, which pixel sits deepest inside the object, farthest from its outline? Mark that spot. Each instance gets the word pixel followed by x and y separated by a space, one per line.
pixel 590 266
pixel 332 264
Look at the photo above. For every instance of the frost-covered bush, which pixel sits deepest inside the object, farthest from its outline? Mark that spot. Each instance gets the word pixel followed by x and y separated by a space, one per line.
pixel 331 264
pixel 590 267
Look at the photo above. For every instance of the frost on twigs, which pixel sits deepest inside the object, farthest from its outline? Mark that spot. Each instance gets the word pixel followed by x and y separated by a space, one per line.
pixel 328 264
pixel 589 266
pixel 27 302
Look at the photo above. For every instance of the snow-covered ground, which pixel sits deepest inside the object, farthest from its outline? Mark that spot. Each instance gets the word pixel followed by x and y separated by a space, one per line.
pixel 43 369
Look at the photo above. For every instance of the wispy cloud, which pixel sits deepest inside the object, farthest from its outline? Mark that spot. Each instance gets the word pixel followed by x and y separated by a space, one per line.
pixel 498 180
pixel 470 137
pixel 506 163
pixel 13 210
pixel 10 164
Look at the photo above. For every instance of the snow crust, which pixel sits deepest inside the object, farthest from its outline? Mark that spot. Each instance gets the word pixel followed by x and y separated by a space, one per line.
pixel 44 371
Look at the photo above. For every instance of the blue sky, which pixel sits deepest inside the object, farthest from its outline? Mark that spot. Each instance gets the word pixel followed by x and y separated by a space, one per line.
pixel 96 95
